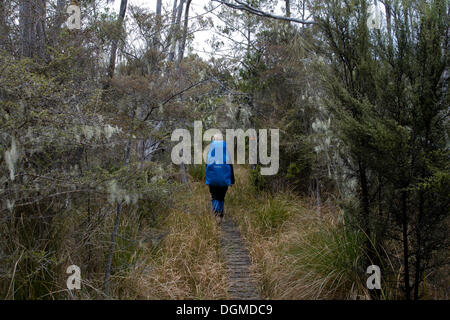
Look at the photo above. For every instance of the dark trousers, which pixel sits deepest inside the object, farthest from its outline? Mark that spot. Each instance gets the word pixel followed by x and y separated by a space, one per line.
pixel 218 193
pixel 218 198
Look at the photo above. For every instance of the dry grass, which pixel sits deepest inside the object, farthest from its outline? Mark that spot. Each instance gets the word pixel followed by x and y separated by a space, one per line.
pixel 173 251
pixel 187 264
pixel 176 256
pixel 297 251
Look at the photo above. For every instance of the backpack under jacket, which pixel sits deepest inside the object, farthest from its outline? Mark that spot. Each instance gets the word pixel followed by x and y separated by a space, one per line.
pixel 218 166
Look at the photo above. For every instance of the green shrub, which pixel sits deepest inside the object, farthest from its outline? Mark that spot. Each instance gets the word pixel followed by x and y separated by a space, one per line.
pixel 272 214
pixel 331 256
pixel 197 172
pixel 259 181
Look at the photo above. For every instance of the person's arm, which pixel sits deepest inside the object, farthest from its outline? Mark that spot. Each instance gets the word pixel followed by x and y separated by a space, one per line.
pixel 232 174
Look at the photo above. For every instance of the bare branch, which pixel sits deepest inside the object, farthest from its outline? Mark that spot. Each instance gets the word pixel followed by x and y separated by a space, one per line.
pixel 245 7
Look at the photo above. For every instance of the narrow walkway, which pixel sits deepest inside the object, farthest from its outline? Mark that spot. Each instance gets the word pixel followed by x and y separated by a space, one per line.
pixel 242 284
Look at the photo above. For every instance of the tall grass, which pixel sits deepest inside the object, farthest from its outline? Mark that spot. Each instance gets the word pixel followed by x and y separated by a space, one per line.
pixel 171 249
pixel 164 250
pixel 297 251
pixel 186 263
pixel 329 260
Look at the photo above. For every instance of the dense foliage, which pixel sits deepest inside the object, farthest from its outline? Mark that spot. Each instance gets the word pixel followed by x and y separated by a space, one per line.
pixel 85 135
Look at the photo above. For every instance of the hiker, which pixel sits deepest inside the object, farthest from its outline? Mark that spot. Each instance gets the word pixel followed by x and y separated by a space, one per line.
pixel 219 174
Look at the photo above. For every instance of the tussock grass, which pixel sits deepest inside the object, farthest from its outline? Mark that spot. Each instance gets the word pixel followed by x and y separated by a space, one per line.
pixel 170 251
pixel 187 263
pixel 297 251
pixel 173 251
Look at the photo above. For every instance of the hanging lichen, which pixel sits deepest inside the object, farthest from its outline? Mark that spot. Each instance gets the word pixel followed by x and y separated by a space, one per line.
pixel 11 157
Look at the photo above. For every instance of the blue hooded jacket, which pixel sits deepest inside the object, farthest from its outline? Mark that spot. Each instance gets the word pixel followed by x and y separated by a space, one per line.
pixel 218 170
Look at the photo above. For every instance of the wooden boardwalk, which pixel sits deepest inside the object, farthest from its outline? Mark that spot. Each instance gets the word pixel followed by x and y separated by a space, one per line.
pixel 236 256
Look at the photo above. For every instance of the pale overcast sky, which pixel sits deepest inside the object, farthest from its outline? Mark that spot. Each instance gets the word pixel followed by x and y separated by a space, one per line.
pixel 196 8
pixel 200 45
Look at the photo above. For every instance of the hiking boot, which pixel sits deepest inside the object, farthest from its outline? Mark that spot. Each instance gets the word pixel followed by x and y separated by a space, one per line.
pixel 219 219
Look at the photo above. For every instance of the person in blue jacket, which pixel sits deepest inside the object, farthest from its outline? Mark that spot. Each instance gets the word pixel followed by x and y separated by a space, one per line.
pixel 219 175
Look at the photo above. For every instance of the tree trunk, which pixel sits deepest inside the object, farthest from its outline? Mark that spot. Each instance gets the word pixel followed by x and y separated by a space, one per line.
pixel 371 254
pixel 176 30
pixel 106 284
pixel 183 173
pixel 303 10
pixel 174 12
pixel 387 8
pixel 3 26
pixel 365 199
pixel 288 8
pixel 169 38
pixel 112 60
pixel 108 268
pixel 156 38
pixel 319 204
pixel 181 48
pixel 418 266
pixel 58 20
pixel 158 7
pixel 32 28
pixel 153 48
pixel 185 29
pixel 405 246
